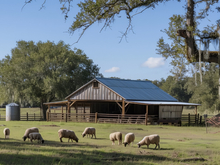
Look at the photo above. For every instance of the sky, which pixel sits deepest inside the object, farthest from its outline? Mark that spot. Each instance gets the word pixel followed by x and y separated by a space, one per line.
pixel 132 58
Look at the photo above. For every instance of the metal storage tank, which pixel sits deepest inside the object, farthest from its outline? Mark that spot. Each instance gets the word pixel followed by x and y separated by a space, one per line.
pixel 12 112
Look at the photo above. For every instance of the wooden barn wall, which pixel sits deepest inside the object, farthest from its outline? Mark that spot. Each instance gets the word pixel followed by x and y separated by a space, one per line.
pixel 91 93
pixel 170 111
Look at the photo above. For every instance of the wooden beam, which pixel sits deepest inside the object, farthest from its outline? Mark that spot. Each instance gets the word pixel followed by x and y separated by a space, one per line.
pixel 119 104
pixel 146 115
pixel 72 103
pixel 123 107
pixel 126 105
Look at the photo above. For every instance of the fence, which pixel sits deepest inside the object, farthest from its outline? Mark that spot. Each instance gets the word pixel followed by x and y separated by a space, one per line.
pixel 186 120
pixel 26 117
pixel 192 119
pixel 102 118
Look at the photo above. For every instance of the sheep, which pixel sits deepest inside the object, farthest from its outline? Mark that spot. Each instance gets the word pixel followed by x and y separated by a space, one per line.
pixel 116 136
pixel 129 138
pixel 64 133
pixel 28 131
pixel 89 131
pixel 36 136
pixel 6 132
pixel 151 139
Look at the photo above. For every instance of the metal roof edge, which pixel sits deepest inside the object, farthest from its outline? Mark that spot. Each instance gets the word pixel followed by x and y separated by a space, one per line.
pixel 163 103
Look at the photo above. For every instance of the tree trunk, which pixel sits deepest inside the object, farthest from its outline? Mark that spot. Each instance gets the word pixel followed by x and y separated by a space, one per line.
pixel 190 42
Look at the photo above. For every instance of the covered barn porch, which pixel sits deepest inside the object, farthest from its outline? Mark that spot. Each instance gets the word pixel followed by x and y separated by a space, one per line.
pixel 127 111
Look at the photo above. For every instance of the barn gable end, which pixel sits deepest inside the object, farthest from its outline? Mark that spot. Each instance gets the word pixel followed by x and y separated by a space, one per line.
pixel 94 90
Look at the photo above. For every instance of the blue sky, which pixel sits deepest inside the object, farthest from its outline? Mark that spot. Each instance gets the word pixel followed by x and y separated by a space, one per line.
pixel 134 59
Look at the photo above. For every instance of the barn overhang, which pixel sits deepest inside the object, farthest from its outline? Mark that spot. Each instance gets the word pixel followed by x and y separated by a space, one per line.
pixel 161 103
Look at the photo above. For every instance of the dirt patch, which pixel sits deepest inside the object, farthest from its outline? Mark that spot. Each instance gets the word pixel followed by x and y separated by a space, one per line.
pixel 2 125
pixel 180 140
pixel 135 129
pixel 50 126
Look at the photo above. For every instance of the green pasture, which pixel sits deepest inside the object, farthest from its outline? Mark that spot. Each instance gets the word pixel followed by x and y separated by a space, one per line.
pixel 177 145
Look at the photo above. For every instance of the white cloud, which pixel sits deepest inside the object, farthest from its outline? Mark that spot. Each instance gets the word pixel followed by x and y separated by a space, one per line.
pixel 113 69
pixel 154 62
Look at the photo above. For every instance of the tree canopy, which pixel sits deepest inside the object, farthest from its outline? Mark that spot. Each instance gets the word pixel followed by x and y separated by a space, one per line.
pixel 43 72
pixel 105 11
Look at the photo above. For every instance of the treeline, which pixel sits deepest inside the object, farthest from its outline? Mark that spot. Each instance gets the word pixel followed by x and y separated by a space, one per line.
pixel 36 73
pixel 195 87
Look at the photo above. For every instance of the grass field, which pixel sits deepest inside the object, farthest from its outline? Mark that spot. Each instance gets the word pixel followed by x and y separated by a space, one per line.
pixel 177 145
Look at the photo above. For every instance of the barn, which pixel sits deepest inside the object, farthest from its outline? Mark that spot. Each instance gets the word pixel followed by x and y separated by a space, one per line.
pixel 118 100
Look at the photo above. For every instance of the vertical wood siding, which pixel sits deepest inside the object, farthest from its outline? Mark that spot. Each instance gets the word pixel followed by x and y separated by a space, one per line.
pixel 100 93
pixel 170 111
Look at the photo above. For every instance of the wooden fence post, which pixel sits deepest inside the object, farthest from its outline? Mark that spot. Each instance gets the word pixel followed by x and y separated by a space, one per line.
pixel 34 116
pixel 66 116
pixel 200 122
pixel 47 116
pixel 96 116
pixel 27 116
pixel 196 119
pixel 189 119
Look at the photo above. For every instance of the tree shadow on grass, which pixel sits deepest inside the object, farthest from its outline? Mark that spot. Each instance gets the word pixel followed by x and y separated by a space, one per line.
pixel 75 156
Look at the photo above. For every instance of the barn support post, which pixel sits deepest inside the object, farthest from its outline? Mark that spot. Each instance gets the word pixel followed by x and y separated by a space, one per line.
pixel 62 112
pixel 96 117
pixel 123 107
pixel 66 112
pixel 146 115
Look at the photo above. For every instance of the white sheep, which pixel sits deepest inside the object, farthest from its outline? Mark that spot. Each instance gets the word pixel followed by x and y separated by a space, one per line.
pixel 116 136
pixel 6 132
pixel 151 139
pixel 36 136
pixel 89 131
pixel 64 133
pixel 129 138
pixel 28 131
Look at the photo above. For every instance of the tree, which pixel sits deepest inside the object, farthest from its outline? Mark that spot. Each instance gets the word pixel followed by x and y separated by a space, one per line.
pixel 205 93
pixel 43 72
pixel 176 49
pixel 175 88
pixel 192 52
pixel 106 11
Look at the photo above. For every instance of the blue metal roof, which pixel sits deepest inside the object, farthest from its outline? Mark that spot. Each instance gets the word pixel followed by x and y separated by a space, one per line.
pixel 137 90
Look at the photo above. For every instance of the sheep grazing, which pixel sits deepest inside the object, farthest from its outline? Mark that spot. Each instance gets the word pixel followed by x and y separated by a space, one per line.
pixel 129 138
pixel 116 136
pixel 64 133
pixel 151 139
pixel 6 132
pixel 89 131
pixel 36 136
pixel 28 131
